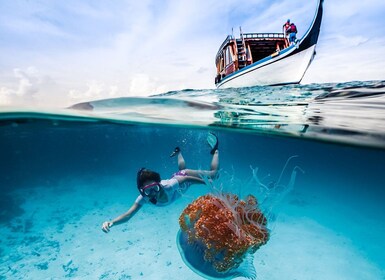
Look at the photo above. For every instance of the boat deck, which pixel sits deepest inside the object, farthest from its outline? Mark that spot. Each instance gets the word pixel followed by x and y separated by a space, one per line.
pixel 264 44
pixel 237 53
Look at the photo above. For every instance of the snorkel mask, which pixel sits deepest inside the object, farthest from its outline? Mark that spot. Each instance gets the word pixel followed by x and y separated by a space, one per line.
pixel 150 190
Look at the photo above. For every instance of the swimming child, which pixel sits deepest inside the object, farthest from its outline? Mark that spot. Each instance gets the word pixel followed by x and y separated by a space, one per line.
pixel 159 192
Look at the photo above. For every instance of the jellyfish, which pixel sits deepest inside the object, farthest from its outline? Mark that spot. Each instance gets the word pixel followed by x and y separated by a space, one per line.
pixel 220 233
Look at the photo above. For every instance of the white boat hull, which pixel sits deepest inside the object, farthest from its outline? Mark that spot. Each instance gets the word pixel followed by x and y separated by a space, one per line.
pixel 283 69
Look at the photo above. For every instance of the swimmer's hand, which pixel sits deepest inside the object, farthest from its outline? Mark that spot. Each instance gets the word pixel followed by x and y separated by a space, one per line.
pixel 106 226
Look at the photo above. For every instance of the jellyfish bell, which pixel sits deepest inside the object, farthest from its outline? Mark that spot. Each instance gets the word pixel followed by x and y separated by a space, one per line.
pixel 193 256
pixel 219 235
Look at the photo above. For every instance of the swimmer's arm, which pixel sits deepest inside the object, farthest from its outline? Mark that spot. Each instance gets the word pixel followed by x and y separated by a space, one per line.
pixel 122 218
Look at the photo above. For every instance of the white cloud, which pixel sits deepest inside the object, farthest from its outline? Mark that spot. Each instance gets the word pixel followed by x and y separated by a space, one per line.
pixel 350 41
pixel 28 82
pixel 5 97
pixel 25 88
pixel 94 90
pixel 141 85
pixel 334 64
pixel 89 50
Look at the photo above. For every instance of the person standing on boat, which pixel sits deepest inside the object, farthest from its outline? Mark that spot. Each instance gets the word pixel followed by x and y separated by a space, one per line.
pixel 286 28
pixel 157 192
pixel 293 33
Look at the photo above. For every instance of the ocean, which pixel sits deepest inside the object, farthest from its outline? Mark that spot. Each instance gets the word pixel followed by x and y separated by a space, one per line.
pixel 66 171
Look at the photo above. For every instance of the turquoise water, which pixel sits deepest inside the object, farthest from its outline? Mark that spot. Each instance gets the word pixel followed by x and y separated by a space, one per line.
pixel 64 172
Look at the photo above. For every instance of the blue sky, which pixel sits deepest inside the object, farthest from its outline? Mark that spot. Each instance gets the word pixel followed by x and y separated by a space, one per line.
pixel 56 53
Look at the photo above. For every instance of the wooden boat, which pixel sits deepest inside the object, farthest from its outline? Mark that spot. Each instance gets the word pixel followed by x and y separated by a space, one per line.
pixel 266 58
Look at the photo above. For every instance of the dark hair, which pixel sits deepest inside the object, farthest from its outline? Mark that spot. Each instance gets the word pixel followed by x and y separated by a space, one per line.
pixel 146 175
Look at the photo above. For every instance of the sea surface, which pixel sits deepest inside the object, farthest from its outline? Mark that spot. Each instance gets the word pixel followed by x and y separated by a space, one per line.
pixel 63 172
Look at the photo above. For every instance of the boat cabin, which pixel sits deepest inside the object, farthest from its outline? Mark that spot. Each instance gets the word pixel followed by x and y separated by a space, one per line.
pixel 235 54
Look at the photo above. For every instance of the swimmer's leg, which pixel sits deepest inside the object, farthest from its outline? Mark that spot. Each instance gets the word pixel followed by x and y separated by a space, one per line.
pixel 212 173
pixel 181 161
pixel 214 166
pixel 213 142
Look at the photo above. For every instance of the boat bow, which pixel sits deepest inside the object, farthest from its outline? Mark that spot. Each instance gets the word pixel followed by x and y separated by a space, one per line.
pixel 266 58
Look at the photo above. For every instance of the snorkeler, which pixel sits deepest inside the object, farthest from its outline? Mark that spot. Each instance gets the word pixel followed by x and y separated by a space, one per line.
pixel 159 192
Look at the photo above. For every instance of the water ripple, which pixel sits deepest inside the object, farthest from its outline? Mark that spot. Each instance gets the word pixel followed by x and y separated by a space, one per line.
pixel 351 113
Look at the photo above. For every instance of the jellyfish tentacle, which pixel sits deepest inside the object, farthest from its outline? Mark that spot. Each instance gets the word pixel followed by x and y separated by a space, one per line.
pixel 255 176
pixel 284 167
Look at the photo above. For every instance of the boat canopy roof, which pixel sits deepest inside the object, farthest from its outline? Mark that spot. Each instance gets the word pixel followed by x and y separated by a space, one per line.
pixel 249 36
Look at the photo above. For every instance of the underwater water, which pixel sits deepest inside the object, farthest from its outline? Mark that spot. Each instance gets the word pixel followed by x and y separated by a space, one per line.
pixel 65 172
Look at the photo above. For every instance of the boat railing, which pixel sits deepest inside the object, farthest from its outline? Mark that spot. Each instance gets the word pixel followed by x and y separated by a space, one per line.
pixel 228 38
pixel 263 35
pixel 225 42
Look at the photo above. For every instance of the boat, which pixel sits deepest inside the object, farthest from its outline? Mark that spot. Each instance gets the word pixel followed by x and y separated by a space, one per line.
pixel 266 58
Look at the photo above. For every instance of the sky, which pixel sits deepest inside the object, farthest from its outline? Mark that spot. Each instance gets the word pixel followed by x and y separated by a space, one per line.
pixel 56 53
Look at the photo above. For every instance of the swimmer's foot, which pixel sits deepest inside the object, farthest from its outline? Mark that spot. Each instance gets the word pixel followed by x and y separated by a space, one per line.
pixel 175 152
pixel 213 142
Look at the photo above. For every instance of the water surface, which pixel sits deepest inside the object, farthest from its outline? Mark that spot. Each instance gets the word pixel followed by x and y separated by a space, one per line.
pixel 64 172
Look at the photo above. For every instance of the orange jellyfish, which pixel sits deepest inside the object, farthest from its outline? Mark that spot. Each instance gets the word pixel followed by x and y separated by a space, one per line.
pixel 218 235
